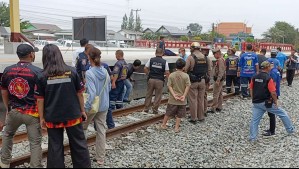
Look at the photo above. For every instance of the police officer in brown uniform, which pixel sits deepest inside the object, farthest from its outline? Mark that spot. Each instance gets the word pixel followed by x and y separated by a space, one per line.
pixel 206 51
pixel 197 66
pixel 218 73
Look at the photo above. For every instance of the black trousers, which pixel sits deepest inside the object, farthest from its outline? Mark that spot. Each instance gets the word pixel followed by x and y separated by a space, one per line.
pixel 230 79
pixel 290 76
pixel 78 146
pixel 272 122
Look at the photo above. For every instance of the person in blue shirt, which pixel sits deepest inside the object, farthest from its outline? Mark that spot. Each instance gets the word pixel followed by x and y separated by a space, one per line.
pixel 274 60
pixel 248 67
pixel 161 44
pixel 275 75
pixel 182 53
pixel 282 59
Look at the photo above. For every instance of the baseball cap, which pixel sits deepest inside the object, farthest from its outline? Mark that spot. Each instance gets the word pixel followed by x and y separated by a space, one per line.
pixel 274 51
pixel 25 49
pixel 265 64
pixel 216 50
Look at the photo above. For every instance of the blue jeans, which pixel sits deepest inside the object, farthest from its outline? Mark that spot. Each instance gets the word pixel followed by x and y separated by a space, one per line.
pixel 244 85
pixel 127 89
pixel 258 111
pixel 115 97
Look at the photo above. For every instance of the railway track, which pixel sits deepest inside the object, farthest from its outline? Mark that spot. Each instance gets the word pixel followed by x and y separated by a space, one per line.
pixel 116 132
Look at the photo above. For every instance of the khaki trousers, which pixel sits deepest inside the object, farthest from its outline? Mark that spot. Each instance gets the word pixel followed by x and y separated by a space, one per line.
pixel 206 98
pixel 217 96
pixel 157 86
pixel 196 100
pixel 14 120
pixel 100 123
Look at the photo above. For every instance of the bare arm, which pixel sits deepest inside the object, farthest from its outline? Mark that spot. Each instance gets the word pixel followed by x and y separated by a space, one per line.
pixel 81 101
pixel 257 68
pixel 173 93
pixel 167 73
pixel 251 93
pixel 274 96
pixel 5 99
pixel 146 70
pixel 41 109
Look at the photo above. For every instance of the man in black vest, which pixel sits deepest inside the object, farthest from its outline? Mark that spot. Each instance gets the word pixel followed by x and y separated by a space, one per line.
pixel 232 63
pixel 264 98
pixel 155 68
pixel 198 67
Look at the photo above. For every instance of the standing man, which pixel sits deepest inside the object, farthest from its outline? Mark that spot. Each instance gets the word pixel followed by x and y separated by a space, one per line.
pixel 282 60
pixel 83 43
pixel 197 66
pixel 262 57
pixel 117 81
pixel 156 69
pixel 182 53
pixel 232 63
pixel 291 67
pixel 17 85
pixel 264 98
pixel 206 51
pixel 128 85
pixel 161 44
pixel 248 67
pixel 83 63
pixel 275 75
pixel 218 74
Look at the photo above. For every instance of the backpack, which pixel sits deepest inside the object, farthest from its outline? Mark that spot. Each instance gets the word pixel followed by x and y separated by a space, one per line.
pixel 200 69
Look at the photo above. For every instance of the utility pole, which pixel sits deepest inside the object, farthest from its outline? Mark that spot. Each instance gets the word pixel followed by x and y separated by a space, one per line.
pixel 213 33
pixel 136 10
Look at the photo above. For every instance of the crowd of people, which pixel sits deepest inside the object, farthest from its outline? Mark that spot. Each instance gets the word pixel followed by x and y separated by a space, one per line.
pixel 52 98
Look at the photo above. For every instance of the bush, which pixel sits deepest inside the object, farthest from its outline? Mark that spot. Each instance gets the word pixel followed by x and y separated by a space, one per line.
pixel 184 38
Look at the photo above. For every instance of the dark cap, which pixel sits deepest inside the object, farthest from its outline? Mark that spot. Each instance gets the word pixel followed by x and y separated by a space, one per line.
pixel 25 49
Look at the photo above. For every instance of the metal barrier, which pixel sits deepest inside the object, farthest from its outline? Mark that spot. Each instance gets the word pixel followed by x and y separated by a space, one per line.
pixel 170 44
pixel 269 46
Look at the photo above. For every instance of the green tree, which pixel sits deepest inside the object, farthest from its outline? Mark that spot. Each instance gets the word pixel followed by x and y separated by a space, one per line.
pixel 4 14
pixel 131 24
pixel 281 32
pixel 5 17
pixel 124 25
pixel 249 40
pixel 195 28
pixel 138 24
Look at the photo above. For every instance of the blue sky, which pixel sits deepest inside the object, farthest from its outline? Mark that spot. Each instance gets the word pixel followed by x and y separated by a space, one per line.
pixel 261 14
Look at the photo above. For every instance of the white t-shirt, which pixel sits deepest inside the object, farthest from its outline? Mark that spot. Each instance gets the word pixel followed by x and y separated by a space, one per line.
pixel 76 55
pixel 149 61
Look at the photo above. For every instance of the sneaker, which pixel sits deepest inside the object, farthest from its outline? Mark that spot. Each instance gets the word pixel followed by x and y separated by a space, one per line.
pixel 100 162
pixel 2 165
pixel 268 134
pixel 192 121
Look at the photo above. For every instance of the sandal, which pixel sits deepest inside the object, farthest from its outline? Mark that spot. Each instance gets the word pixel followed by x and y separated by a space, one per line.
pixel 100 162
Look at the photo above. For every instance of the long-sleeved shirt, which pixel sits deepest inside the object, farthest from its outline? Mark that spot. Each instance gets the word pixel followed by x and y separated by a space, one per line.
pixel 218 71
pixel 95 80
